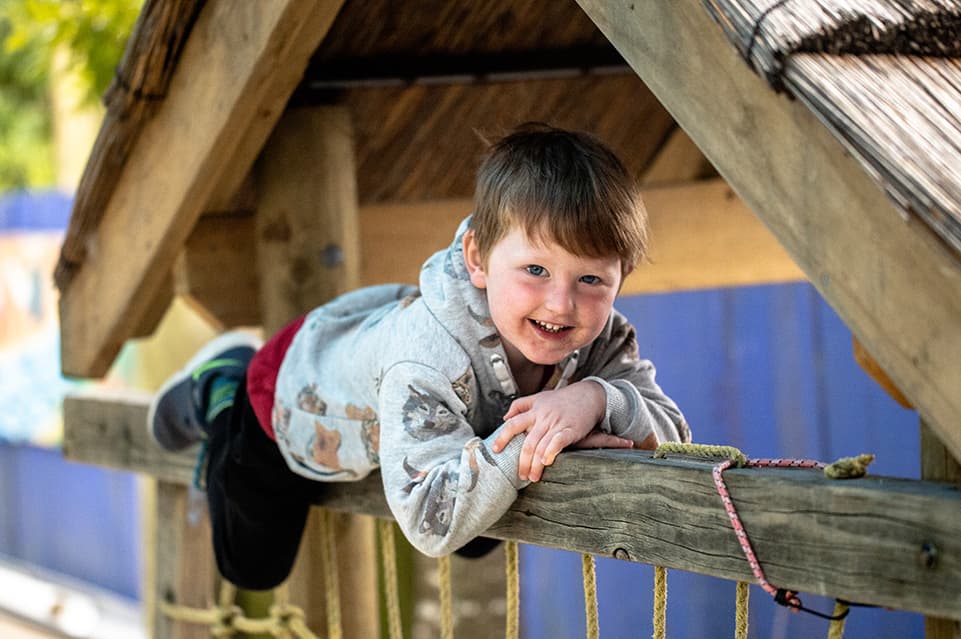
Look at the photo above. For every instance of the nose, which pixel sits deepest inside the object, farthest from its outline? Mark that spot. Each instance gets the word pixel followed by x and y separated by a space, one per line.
pixel 560 299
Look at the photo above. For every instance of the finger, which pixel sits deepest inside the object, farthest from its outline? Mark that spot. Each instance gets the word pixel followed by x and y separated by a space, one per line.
pixel 508 430
pixel 529 450
pixel 561 440
pixel 518 406
pixel 604 440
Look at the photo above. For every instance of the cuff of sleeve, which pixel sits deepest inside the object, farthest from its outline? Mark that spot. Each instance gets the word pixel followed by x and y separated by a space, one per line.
pixel 508 459
pixel 617 407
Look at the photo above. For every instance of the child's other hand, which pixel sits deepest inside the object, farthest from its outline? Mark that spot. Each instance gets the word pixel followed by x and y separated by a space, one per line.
pixel 554 420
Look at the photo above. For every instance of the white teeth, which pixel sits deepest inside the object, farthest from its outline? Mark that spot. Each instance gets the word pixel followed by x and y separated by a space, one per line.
pixel 551 328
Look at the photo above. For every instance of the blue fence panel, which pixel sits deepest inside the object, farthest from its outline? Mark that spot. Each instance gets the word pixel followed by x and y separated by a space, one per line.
pixel 73 519
pixel 770 370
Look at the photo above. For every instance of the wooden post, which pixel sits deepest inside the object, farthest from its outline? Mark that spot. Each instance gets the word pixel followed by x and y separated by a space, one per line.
pixel 308 252
pixel 184 572
pixel 937 464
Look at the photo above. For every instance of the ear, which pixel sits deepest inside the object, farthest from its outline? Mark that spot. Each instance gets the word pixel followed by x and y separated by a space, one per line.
pixel 473 261
pixel 627 272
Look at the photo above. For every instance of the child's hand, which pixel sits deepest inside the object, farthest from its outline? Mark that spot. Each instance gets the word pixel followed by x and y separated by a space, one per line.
pixel 554 420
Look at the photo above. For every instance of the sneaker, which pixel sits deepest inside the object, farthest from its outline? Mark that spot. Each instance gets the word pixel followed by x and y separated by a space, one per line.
pixel 178 415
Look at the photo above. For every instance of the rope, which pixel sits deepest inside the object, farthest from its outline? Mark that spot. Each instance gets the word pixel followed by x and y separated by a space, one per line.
pixel 328 554
pixel 226 619
pixel 389 557
pixel 446 600
pixel 844 468
pixel 660 602
pixel 742 594
pixel 836 629
pixel 590 595
pixel 513 591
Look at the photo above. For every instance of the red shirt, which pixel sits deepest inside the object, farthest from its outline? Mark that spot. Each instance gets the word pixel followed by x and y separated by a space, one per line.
pixel 262 374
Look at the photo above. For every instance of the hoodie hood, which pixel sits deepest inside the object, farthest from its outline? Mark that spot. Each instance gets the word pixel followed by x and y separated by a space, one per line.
pixel 462 309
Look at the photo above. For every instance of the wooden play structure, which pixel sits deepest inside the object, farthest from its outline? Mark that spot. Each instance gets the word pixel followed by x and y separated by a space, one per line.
pixel 258 158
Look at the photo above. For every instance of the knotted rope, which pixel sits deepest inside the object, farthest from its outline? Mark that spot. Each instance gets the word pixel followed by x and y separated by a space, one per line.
pixel 742 595
pixel 385 528
pixel 660 602
pixel 847 467
pixel 512 630
pixel 226 619
pixel 590 596
pixel 446 600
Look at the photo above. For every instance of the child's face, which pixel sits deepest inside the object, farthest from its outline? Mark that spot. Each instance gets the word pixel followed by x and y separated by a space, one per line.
pixel 544 301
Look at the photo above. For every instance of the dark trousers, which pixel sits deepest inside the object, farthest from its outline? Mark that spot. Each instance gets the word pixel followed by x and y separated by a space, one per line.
pixel 258 506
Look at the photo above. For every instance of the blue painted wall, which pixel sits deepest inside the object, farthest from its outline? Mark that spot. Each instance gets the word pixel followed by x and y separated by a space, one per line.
pixel 767 369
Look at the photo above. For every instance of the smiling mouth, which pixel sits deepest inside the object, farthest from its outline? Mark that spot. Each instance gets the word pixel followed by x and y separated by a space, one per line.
pixel 550 328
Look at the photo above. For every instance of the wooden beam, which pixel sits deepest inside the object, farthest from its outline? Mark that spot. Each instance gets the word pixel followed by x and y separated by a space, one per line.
pixel 937 464
pixel 862 540
pixel 308 251
pixel 308 248
pixel 703 236
pixel 240 65
pixel 213 273
pixel 889 279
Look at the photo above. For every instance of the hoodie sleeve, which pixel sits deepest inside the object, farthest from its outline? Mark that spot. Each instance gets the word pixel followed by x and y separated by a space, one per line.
pixel 636 405
pixel 444 484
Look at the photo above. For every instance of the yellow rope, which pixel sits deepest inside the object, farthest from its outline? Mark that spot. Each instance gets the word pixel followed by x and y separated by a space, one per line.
pixel 849 467
pixel 226 619
pixel 513 591
pixel 836 629
pixel 446 600
pixel 389 558
pixel 741 613
pixel 660 602
pixel 328 560
pixel 701 450
pixel 590 595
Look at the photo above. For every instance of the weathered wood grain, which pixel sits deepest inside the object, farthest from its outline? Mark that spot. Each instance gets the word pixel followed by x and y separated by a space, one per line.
pixel 237 70
pixel 861 539
pixel 892 282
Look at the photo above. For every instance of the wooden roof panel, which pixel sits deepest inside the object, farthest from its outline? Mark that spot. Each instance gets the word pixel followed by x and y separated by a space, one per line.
pixel 432 27
pixel 423 142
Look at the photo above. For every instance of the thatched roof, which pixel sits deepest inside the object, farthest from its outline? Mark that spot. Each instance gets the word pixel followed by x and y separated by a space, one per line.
pixel 883 75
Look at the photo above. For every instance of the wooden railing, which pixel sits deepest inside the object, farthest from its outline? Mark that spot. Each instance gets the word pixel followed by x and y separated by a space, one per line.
pixel 874 540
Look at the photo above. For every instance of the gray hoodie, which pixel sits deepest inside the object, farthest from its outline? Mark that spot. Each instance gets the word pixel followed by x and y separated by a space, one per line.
pixel 416 381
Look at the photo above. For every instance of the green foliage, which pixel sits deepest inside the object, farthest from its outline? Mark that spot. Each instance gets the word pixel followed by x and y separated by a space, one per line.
pixel 93 34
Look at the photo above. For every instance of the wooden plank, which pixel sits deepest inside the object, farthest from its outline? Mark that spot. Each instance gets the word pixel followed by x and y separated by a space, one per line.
pixel 703 236
pixel 308 252
pixel 937 464
pixel 858 539
pixel 308 247
pixel 240 65
pixel 221 244
pixel 890 280
pixel 181 530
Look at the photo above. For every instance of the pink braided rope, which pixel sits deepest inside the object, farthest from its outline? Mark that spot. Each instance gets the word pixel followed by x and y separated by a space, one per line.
pixel 789 597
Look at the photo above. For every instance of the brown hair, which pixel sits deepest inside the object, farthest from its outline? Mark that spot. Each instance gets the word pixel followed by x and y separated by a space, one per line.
pixel 563 186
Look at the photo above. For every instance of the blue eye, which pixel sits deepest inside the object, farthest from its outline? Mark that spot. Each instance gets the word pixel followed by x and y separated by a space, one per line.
pixel 591 279
pixel 535 270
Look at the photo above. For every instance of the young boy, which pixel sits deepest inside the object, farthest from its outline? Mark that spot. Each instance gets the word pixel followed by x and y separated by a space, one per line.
pixel 461 391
